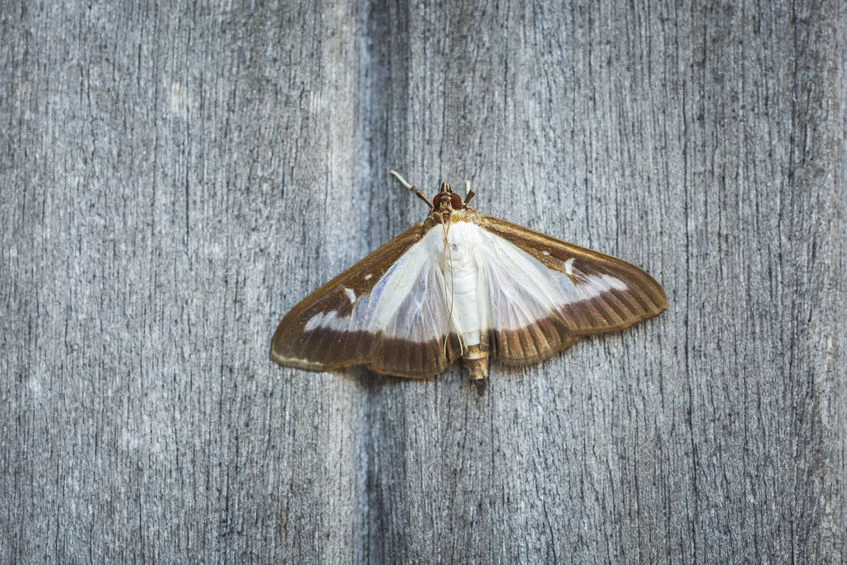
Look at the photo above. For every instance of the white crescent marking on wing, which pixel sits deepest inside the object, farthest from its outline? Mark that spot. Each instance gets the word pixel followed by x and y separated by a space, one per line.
pixel 351 295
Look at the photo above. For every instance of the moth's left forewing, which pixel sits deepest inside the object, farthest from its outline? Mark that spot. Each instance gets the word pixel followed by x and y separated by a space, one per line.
pixel 595 292
pixel 379 313
pixel 319 333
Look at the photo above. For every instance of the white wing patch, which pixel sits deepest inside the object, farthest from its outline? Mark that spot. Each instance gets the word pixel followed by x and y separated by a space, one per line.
pixel 568 265
pixel 521 289
pixel 407 303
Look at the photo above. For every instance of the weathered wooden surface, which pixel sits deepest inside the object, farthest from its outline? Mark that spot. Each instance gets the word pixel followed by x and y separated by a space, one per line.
pixel 174 178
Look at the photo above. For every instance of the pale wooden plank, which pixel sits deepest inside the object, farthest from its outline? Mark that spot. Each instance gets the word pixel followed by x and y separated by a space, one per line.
pixel 175 178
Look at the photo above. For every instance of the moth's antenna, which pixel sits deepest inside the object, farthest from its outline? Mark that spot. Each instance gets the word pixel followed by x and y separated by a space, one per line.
pixel 413 188
pixel 470 193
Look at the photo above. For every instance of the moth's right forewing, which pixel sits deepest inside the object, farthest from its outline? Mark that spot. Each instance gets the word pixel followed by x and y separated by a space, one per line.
pixel 545 293
pixel 603 293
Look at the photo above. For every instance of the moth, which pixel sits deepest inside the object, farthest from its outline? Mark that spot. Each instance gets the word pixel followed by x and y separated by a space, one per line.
pixel 463 285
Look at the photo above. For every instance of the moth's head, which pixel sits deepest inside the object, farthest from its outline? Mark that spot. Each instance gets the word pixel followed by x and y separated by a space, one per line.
pixel 447 199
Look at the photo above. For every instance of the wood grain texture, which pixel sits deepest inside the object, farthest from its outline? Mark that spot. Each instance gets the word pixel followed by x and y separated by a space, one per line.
pixel 174 178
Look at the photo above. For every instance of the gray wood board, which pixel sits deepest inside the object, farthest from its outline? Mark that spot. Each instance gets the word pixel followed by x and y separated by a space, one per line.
pixel 174 178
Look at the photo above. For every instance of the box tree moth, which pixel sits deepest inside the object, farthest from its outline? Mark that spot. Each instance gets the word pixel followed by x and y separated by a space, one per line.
pixel 463 285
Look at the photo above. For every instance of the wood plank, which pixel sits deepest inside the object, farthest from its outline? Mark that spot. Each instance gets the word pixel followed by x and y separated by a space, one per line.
pixel 174 179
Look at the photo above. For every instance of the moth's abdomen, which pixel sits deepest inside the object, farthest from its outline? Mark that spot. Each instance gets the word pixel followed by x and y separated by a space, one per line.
pixel 460 278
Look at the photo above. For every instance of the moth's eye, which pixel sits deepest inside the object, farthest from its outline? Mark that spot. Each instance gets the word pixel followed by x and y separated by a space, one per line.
pixel 442 198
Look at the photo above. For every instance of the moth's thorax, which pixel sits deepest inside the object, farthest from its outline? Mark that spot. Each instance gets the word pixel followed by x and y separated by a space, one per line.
pixel 450 216
pixel 461 238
